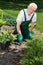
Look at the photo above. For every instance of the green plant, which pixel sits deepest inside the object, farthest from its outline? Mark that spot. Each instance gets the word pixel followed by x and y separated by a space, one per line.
pixel 5 37
pixel 10 20
pixel 33 54
pixel 2 22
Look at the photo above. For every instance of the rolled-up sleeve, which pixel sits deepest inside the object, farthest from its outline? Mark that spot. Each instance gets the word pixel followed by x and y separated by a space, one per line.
pixel 20 16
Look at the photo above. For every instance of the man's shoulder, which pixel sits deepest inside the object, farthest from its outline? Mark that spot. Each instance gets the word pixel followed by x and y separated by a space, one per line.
pixel 22 10
pixel 35 13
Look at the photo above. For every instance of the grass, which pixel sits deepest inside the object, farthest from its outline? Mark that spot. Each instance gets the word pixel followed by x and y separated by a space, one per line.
pixel 14 13
pixel 39 25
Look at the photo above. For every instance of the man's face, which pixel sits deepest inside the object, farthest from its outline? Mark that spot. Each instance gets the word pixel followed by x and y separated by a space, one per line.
pixel 30 10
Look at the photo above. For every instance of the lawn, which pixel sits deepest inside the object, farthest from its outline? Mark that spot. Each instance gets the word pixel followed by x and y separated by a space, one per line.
pixel 40 21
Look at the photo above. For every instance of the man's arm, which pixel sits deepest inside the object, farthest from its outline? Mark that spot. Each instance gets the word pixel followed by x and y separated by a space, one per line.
pixel 18 27
pixel 19 20
pixel 32 26
pixel 33 21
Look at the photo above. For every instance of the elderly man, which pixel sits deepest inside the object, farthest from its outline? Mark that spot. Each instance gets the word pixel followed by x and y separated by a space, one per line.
pixel 25 17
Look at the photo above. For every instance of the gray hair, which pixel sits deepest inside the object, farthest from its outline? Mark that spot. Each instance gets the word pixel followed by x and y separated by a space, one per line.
pixel 34 5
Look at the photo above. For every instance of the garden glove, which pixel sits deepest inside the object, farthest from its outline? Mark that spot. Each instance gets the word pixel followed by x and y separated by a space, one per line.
pixel 30 35
pixel 19 38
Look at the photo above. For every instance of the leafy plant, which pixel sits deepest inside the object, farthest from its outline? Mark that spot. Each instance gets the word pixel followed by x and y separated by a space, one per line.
pixel 2 22
pixel 33 54
pixel 10 20
pixel 5 37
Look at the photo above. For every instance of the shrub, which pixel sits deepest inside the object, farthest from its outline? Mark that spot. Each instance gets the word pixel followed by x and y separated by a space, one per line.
pixel 2 22
pixel 10 20
pixel 6 37
pixel 33 54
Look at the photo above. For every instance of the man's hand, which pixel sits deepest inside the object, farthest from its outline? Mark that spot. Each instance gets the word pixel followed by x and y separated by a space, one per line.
pixel 30 35
pixel 20 38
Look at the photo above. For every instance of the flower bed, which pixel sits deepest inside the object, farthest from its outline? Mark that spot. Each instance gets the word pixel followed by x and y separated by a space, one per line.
pixel 6 38
pixel 33 54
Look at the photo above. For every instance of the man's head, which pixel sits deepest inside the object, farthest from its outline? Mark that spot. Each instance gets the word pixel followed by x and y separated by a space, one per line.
pixel 31 8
